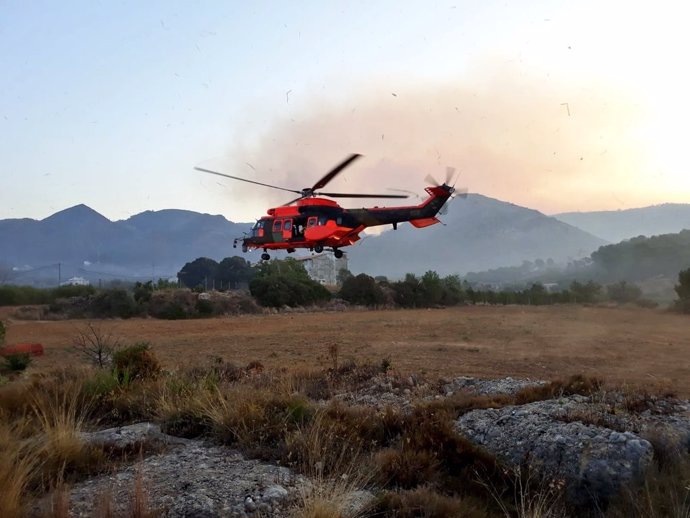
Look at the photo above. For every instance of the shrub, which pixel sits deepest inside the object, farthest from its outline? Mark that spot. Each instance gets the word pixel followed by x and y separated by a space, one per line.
pixel 363 290
pixel 17 362
pixel 2 333
pixel 136 362
pixel 113 303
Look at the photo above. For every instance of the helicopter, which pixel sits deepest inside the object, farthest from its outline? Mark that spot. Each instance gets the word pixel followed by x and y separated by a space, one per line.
pixel 313 222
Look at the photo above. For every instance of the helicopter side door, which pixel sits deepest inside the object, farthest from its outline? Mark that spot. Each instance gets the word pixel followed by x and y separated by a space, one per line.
pixel 287 229
pixel 277 230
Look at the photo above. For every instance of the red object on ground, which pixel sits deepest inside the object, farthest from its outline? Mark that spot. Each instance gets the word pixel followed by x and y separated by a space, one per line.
pixel 32 349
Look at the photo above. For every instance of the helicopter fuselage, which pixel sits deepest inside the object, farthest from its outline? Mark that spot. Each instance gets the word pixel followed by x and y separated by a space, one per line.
pixel 316 223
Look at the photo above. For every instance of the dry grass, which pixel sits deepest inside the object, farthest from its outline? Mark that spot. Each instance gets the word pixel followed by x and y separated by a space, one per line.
pixel 621 345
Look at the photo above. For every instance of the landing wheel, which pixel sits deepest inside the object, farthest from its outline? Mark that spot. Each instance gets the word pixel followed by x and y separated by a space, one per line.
pixel 244 248
pixel 265 257
pixel 338 253
pixel 318 249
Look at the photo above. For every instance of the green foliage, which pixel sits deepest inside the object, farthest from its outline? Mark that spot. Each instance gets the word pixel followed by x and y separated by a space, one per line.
pixel 142 292
pixel 585 293
pixel 200 272
pixel 622 292
pixel 114 303
pixel 643 257
pixel 343 275
pixel 287 267
pixel 2 333
pixel 283 290
pixel 25 295
pixel 136 362
pixel 234 271
pixel 17 362
pixel 683 291
pixel 363 290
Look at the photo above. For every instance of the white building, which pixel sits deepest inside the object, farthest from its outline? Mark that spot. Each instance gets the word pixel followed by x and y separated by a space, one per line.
pixel 75 281
pixel 324 267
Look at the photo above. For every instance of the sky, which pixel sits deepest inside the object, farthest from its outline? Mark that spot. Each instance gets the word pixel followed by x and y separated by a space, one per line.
pixel 557 106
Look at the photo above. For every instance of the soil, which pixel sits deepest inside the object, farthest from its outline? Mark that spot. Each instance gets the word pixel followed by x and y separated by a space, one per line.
pixel 641 348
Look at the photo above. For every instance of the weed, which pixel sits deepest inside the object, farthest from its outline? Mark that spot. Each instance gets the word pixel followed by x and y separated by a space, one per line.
pixel 17 362
pixel 136 362
pixel 424 502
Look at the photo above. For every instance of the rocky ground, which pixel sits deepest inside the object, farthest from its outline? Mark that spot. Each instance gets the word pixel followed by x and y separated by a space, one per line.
pixel 593 445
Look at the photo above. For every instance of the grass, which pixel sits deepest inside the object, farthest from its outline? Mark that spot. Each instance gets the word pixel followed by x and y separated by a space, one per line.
pixel 415 461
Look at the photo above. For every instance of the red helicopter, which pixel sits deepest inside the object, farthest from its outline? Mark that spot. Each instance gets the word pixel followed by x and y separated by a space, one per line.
pixel 315 223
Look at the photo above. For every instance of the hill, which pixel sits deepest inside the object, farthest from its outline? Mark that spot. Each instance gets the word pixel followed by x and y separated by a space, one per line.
pixel 87 244
pixel 617 225
pixel 478 233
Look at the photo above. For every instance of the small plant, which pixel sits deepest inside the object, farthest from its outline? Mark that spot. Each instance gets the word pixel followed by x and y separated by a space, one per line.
pixel 136 362
pixel 17 362
pixel 386 364
pixel 333 352
pixel 95 345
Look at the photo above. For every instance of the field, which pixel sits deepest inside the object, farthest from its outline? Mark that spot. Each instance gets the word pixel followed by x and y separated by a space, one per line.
pixel 641 348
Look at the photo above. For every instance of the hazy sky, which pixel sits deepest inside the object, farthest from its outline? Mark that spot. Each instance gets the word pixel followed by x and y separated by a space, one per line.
pixel 553 105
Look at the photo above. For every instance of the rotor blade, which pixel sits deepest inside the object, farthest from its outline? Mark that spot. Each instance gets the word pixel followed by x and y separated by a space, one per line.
pixel 352 195
pixel 430 179
pixel 292 201
pixel 334 172
pixel 245 180
pixel 450 173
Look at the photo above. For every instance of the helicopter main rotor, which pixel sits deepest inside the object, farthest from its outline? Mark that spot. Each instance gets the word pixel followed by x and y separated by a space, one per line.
pixel 309 192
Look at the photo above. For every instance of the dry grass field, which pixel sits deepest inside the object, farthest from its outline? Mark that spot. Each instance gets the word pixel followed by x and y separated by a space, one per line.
pixel 642 348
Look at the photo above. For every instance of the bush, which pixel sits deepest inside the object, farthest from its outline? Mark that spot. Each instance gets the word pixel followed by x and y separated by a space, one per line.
pixel 2 333
pixel 113 303
pixel 363 290
pixel 136 362
pixel 17 362
pixel 282 290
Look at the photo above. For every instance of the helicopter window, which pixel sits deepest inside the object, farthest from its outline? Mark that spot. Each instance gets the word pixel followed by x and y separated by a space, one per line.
pixel 339 220
pixel 287 225
pixel 311 221
pixel 322 220
pixel 278 225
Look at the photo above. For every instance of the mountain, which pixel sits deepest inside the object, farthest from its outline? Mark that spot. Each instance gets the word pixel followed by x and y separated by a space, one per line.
pixel 479 233
pixel 617 225
pixel 87 244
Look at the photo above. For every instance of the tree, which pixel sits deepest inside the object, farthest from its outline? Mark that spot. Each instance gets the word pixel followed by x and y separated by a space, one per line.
pixel 585 293
pixel 286 283
pixel 363 290
pixel 343 275
pixel 431 288
pixel 233 271
pixel 95 345
pixel 683 291
pixel 200 272
pixel 623 292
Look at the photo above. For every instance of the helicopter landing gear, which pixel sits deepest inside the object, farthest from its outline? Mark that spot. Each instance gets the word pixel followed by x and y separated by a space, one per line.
pixel 337 253
pixel 318 248
pixel 244 249
pixel 265 257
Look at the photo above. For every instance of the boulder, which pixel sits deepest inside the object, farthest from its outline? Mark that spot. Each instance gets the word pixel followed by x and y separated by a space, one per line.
pixel 592 461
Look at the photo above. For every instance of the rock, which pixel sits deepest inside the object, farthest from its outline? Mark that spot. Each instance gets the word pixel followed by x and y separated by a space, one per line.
pixel 192 506
pixel 273 493
pixel 489 387
pixel 594 462
pixel 249 504
pixel 357 502
pixel 192 478
pixel 131 437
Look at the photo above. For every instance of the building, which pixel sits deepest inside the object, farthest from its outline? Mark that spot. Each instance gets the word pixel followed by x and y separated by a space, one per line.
pixel 324 267
pixel 75 281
